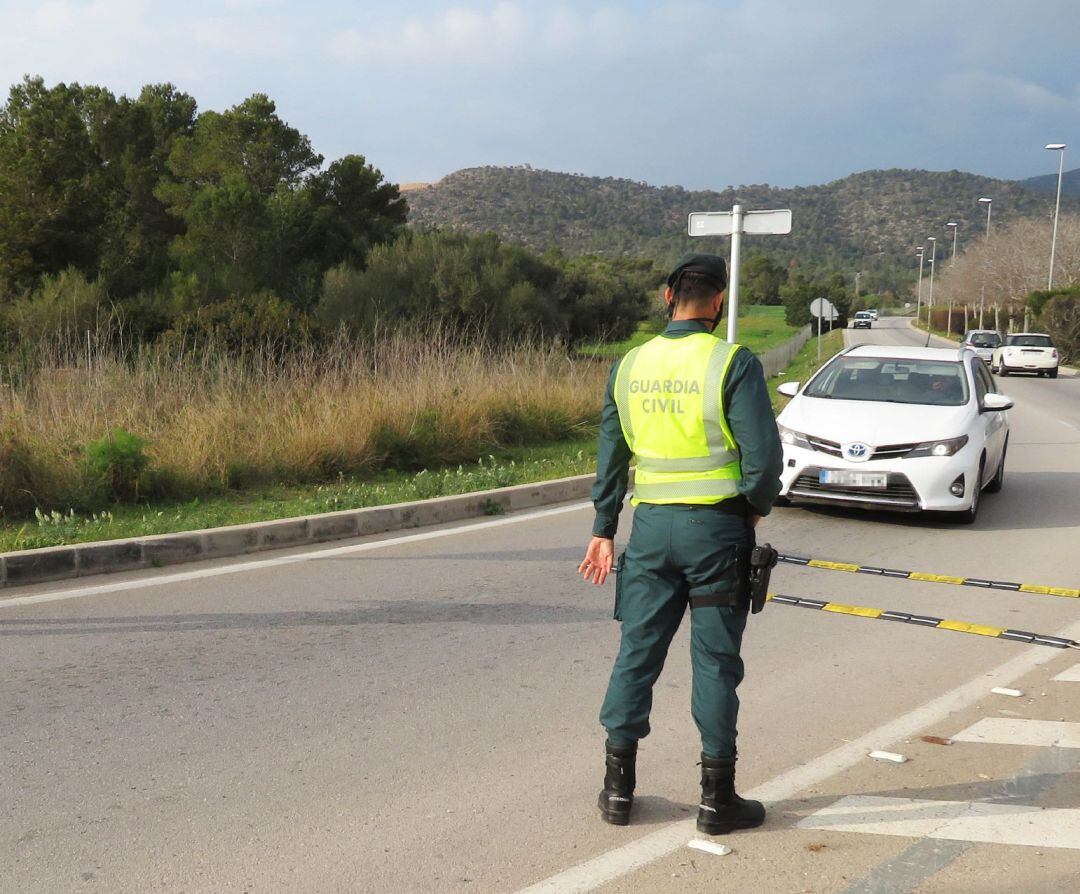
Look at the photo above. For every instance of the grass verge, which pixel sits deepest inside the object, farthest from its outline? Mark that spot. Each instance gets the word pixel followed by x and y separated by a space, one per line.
pixel 519 465
pixel 805 364
pixel 269 501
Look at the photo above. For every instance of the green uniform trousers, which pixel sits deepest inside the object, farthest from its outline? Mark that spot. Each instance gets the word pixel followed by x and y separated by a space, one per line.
pixel 675 553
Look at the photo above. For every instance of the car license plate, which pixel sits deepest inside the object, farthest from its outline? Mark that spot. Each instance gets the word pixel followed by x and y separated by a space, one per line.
pixel 854 479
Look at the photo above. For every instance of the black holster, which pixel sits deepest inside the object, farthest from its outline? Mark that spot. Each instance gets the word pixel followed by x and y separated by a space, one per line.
pixel 762 561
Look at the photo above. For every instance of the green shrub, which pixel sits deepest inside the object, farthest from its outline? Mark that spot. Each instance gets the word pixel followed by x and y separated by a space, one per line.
pixel 480 285
pixel 64 307
pixel 1061 318
pixel 116 464
pixel 262 320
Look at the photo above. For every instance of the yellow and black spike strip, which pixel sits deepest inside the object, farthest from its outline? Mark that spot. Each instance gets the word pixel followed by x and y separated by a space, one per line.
pixel 861 611
pixel 930 578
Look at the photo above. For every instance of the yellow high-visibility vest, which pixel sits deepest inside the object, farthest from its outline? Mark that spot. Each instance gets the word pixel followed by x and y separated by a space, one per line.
pixel 669 392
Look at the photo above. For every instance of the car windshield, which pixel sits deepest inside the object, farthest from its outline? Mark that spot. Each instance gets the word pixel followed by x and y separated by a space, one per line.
pixel 932 382
pixel 862 315
pixel 1030 341
pixel 984 339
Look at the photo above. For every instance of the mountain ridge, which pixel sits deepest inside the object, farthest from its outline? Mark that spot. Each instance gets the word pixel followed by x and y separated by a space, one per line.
pixel 868 221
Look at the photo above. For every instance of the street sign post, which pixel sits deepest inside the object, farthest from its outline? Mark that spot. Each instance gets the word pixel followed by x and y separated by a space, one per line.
pixel 823 310
pixel 735 223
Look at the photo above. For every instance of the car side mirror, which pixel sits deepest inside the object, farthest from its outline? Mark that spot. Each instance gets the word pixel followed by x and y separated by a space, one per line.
pixel 995 403
pixel 788 389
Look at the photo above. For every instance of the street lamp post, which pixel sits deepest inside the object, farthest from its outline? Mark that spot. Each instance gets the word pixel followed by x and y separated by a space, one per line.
pixel 930 303
pixel 920 253
pixel 1059 148
pixel 988 202
pixel 955 227
pixel 857 275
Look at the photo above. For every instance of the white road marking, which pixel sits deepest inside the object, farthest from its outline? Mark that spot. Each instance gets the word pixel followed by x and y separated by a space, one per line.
pixel 1007 731
pixel 953 820
pixel 1072 675
pixel 257 564
pixel 615 863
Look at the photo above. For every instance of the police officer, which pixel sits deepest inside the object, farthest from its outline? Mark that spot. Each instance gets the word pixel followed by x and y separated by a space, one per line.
pixel 695 412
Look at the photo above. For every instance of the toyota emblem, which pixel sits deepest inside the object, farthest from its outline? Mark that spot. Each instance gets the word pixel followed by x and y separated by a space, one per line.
pixel 857 452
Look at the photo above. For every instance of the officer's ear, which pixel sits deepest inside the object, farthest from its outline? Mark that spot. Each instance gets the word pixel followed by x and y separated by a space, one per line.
pixel 669 300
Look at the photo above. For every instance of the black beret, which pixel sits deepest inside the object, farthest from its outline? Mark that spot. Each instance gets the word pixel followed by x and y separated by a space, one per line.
pixel 712 267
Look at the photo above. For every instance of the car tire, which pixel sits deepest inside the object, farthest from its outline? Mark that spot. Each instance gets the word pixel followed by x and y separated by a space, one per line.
pixel 1003 370
pixel 1053 373
pixel 781 501
pixel 968 516
pixel 999 476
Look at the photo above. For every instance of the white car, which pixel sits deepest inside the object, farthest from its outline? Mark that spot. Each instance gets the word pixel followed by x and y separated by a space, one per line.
pixel 873 315
pixel 982 342
pixel 900 428
pixel 1026 352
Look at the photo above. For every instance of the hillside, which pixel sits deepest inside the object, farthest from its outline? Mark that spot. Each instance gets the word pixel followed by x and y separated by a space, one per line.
pixel 1070 183
pixel 869 221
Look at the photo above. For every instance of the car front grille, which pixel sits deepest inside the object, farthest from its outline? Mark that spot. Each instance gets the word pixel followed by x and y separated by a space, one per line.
pixel 824 446
pixel 892 451
pixel 899 493
pixel 832 448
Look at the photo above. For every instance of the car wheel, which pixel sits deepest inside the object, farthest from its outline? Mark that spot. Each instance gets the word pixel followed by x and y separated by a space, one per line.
pixel 1003 369
pixel 969 515
pixel 999 476
pixel 781 501
pixel 1053 373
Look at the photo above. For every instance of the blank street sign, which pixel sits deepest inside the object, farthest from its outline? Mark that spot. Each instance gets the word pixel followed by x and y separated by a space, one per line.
pixel 758 223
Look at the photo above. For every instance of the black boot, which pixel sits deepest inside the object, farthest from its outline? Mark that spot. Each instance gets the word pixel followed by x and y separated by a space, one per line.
pixel 721 810
pixel 619 782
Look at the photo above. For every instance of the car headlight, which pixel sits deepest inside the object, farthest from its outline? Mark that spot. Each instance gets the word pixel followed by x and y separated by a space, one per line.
pixel 939 448
pixel 792 437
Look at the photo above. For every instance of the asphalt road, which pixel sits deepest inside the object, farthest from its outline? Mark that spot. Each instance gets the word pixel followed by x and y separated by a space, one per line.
pixel 418 712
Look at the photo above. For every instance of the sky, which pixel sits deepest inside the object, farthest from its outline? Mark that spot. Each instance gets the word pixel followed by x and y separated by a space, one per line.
pixel 698 94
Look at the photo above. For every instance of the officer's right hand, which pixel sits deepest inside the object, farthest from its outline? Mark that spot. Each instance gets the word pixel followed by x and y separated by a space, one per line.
pixel 599 557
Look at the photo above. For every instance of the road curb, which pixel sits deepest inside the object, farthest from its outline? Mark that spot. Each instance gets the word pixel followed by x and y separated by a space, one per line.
pixel 81 560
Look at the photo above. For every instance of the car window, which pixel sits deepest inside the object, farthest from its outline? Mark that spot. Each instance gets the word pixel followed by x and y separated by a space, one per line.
pixel 983 374
pixel 1030 341
pixel 930 382
pixel 984 339
pixel 982 385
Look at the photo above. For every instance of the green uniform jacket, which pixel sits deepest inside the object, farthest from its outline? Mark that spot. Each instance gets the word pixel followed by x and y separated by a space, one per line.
pixel 749 414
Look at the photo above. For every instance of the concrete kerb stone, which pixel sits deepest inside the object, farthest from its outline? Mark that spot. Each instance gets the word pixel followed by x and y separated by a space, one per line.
pixel 64 562
pixel 31 566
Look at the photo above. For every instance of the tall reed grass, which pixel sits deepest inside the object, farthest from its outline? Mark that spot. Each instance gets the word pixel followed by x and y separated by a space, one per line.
pixel 216 421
